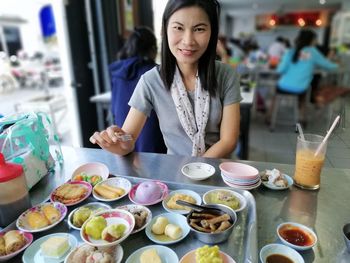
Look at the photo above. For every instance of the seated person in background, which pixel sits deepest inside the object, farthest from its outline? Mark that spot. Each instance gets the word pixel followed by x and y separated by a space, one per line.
pixel 297 67
pixel 135 58
pixel 276 51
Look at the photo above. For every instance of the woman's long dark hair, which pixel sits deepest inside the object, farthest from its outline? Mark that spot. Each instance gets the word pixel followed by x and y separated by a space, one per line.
pixel 304 39
pixel 206 64
pixel 141 42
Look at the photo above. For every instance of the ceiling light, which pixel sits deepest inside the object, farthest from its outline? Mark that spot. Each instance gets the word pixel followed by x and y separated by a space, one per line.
pixel 301 22
pixel 322 2
pixel 318 22
pixel 272 22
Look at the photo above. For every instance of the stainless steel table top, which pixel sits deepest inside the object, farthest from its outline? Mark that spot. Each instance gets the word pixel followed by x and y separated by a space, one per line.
pixel 325 210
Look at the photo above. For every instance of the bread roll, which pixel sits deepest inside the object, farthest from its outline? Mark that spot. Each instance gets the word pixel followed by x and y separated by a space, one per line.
pixel 2 247
pixel 14 240
pixel 51 213
pixel 158 227
pixel 173 231
pixel 37 220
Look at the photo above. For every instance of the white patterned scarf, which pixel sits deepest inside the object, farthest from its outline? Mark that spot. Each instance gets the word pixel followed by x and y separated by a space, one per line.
pixel 193 123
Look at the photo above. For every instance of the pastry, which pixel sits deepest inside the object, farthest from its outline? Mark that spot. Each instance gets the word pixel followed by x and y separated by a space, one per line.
pixel 113 232
pixel 51 213
pixel 173 205
pixel 108 192
pixel 69 193
pixel 2 246
pixel 14 240
pixel 55 247
pixel 173 231
pixel 37 220
pixel 158 227
pixel 150 256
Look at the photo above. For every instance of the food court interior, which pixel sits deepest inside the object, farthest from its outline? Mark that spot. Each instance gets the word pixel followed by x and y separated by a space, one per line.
pixel 55 56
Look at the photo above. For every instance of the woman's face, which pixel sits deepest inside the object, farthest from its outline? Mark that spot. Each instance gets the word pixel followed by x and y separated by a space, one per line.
pixel 188 34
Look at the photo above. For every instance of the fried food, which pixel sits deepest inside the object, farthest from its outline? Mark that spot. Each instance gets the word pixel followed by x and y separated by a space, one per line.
pixel 37 220
pixel 69 193
pixel 173 205
pixel 109 192
pixel 210 223
pixel 51 213
pixel 2 247
pixel 14 240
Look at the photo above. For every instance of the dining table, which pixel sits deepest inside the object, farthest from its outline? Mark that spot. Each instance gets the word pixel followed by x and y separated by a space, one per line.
pixel 325 210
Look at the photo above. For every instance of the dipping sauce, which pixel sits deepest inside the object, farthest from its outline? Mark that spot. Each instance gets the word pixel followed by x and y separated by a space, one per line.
pixel 296 236
pixel 277 258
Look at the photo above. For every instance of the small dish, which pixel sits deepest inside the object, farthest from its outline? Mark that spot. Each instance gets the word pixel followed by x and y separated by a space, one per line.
pixel 280 250
pixel 173 218
pixel 190 257
pixel 166 254
pixel 28 238
pixel 23 224
pixel 244 187
pixel 112 216
pixel 33 252
pixel 237 170
pixel 198 171
pixel 91 169
pixel 118 254
pixel 208 198
pixel 164 190
pixel 119 182
pixel 191 193
pixel 93 206
pixel 274 187
pixel 136 209
pixel 76 200
pixel 296 236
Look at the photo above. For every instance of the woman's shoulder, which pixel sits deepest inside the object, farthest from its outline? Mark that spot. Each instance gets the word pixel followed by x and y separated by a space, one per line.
pixel 223 71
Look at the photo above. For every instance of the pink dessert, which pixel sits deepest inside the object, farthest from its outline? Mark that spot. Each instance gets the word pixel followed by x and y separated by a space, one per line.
pixel 148 192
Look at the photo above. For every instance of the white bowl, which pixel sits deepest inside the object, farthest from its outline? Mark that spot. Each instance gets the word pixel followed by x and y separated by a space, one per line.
pixel 94 168
pixel 292 226
pixel 280 249
pixel 116 182
pixel 191 193
pixel 198 171
pixel 241 198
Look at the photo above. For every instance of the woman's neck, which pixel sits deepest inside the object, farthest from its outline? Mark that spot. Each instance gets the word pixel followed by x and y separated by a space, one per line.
pixel 189 76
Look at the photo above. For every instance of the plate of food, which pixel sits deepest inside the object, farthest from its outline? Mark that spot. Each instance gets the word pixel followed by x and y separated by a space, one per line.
pixel 227 197
pixel 276 180
pixel 111 189
pixel 41 217
pixel 87 253
pixel 13 242
pixel 71 193
pixel 107 228
pixel 159 253
pixel 167 228
pixel 170 205
pixel 142 215
pixel 210 254
pixel 51 248
pixel 78 216
pixel 92 173
pixel 148 192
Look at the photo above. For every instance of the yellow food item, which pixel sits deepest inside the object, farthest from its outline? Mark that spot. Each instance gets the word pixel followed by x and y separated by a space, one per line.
pixel 14 240
pixel 173 205
pixel 95 226
pixel 173 231
pixel 55 247
pixel 108 192
pixel 208 254
pixel 158 227
pixel 225 198
pixel 2 246
pixel 113 232
pixel 51 213
pixel 37 220
pixel 150 256
pixel 80 216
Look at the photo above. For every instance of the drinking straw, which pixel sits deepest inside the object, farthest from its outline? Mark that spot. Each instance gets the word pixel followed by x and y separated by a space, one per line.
pixel 327 135
pixel 300 130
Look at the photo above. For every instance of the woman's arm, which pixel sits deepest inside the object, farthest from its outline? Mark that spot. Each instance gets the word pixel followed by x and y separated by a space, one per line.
pixel 229 132
pixel 108 140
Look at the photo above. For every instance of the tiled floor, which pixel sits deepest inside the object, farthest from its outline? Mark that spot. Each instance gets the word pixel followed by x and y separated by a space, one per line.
pixel 280 146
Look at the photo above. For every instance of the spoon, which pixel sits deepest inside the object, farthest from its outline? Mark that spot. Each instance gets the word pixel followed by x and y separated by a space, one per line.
pixel 199 208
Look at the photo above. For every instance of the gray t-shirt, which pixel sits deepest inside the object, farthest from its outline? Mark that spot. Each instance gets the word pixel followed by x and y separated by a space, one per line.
pixel 150 93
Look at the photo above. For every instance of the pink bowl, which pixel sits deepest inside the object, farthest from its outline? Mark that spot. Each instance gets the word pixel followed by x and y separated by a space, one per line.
pixel 238 171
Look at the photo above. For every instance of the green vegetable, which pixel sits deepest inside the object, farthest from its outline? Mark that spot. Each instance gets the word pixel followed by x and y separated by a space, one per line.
pixel 95 227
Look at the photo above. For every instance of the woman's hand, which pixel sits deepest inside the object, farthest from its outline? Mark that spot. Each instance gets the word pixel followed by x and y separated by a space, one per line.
pixel 112 140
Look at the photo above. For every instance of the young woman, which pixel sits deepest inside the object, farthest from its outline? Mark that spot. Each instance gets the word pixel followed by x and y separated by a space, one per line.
pixel 195 97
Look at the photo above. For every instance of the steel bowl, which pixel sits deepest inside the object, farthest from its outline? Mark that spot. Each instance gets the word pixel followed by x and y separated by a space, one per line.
pixel 214 238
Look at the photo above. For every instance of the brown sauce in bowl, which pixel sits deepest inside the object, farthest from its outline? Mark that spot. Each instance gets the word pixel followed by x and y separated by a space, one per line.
pixel 277 258
pixel 296 236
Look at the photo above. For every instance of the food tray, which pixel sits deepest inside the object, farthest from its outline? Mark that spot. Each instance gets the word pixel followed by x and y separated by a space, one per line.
pixel 241 245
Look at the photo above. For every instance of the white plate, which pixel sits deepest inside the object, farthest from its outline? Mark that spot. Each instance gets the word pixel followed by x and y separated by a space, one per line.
pixel 33 252
pixel 119 253
pixel 93 206
pixel 241 198
pixel 112 216
pixel 166 254
pixel 173 218
pixel 94 168
pixel 243 187
pixel 22 223
pixel 198 171
pixel 282 250
pixel 181 191
pixel 274 187
pixel 116 182
pixel 136 208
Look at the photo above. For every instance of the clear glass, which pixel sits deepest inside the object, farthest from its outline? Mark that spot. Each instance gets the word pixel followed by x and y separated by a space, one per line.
pixel 308 166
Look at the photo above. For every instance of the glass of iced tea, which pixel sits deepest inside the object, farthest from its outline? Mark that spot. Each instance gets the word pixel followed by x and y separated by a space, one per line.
pixel 308 165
